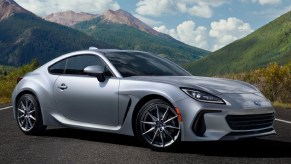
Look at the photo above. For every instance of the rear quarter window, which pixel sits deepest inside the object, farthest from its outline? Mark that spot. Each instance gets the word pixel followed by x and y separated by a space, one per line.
pixel 58 68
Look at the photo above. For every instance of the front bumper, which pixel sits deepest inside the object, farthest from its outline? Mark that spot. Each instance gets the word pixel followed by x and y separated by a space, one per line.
pixel 215 125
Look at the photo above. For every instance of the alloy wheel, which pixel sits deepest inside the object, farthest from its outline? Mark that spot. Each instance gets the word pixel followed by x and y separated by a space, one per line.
pixel 26 114
pixel 159 125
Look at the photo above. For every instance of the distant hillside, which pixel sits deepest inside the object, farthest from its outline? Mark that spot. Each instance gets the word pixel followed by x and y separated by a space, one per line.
pixel 24 36
pixel 270 43
pixel 123 30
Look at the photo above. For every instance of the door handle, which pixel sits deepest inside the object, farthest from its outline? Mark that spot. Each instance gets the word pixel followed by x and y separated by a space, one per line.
pixel 62 86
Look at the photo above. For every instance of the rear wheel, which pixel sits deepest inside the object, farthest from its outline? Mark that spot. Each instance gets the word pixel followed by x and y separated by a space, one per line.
pixel 28 115
pixel 157 125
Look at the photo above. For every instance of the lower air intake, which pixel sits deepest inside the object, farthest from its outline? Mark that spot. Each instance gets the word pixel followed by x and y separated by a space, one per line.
pixel 250 122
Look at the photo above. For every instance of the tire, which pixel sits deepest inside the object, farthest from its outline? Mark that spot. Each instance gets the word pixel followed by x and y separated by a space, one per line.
pixel 28 115
pixel 157 125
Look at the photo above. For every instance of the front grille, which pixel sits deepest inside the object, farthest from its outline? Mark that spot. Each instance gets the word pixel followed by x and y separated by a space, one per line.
pixel 250 122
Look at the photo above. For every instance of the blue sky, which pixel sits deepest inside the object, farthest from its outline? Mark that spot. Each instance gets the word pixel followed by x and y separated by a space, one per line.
pixel 207 24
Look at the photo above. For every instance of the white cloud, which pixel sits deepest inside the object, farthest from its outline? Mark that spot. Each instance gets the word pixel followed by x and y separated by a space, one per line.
pixel 148 21
pixel 187 32
pixel 45 7
pixel 199 8
pixel 264 2
pixel 154 7
pixel 165 30
pixel 214 3
pixel 227 31
pixel 222 32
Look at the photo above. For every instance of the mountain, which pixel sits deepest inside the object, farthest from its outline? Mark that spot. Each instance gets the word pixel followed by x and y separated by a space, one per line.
pixel 9 7
pixel 123 17
pixel 24 36
pixel 69 18
pixel 270 43
pixel 123 30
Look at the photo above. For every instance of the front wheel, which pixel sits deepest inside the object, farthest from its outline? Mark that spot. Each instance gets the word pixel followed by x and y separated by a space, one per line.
pixel 157 125
pixel 28 115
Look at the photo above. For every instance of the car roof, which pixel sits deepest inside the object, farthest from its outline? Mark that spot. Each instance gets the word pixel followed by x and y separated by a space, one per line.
pixel 114 50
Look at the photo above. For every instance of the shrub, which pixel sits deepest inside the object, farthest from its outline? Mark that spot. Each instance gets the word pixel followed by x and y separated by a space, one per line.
pixel 8 82
pixel 274 81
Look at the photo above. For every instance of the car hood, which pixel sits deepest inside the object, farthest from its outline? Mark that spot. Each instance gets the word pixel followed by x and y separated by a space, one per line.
pixel 211 85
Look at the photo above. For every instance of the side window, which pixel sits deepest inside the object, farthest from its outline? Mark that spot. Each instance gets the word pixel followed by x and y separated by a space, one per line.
pixel 58 68
pixel 76 65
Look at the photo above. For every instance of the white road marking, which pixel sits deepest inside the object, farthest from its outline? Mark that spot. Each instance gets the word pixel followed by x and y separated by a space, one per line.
pixel 6 108
pixel 287 122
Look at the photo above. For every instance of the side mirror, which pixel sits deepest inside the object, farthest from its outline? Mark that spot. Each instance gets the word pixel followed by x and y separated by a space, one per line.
pixel 96 70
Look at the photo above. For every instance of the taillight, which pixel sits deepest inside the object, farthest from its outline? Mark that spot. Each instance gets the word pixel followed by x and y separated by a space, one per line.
pixel 19 78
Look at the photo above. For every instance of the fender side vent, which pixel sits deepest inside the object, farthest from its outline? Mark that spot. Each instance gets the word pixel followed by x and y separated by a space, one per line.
pixel 127 109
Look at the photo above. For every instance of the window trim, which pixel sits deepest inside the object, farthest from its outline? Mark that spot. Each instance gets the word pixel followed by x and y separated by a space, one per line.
pixel 48 68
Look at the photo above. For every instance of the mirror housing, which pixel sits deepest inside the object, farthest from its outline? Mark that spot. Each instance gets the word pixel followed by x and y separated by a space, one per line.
pixel 97 71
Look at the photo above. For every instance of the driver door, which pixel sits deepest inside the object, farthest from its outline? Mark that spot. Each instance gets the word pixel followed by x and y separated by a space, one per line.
pixel 80 97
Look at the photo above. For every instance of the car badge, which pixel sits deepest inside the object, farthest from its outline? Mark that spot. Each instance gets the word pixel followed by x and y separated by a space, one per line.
pixel 258 103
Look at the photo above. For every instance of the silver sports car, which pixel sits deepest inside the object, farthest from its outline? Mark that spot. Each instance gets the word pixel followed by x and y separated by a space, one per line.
pixel 140 94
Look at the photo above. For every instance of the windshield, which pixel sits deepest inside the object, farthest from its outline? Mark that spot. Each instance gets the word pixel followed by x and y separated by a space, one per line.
pixel 143 64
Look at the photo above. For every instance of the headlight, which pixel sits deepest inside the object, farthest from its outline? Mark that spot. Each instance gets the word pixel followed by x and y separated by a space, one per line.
pixel 203 96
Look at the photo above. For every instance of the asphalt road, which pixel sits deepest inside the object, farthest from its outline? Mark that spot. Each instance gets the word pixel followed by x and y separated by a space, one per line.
pixel 77 146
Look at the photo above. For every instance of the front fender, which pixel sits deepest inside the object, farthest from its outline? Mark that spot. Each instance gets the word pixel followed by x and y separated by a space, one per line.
pixel 131 92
